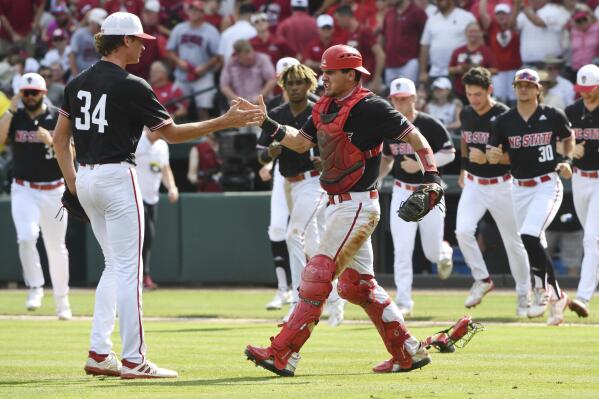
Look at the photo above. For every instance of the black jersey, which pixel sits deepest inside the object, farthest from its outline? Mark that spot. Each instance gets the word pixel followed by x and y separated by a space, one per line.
pixel 369 122
pixel 108 108
pixel 291 163
pixel 586 128
pixel 476 130
pixel 33 160
pixel 435 133
pixel 531 144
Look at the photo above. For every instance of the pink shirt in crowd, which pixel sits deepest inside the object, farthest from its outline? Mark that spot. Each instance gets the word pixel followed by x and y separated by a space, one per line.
pixel 247 81
pixel 585 45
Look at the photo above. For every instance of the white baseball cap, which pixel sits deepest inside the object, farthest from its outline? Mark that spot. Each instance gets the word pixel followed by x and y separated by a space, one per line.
pixel 503 7
pixel 152 5
pixel 97 15
pixel 299 3
pixel 527 75
pixel 285 63
pixel 442 83
pixel 402 87
pixel 32 81
pixel 124 23
pixel 587 78
pixel 325 20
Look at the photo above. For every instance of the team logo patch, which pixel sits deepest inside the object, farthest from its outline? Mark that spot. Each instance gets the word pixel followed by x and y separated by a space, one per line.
pixel 583 79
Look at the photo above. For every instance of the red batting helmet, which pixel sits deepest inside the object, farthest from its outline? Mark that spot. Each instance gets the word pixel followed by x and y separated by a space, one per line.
pixel 341 56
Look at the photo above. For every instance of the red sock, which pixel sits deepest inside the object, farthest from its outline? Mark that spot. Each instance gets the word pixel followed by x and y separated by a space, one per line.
pixel 129 364
pixel 97 357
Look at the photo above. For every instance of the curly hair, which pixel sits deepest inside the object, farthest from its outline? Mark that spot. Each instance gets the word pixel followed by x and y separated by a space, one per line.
pixel 478 76
pixel 106 44
pixel 299 72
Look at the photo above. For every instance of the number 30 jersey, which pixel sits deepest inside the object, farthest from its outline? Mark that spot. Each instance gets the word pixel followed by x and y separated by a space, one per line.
pixel 531 144
pixel 108 108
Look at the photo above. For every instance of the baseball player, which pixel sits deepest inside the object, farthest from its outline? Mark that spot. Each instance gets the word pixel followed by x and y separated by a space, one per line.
pixel 400 160
pixel 529 133
pixel 486 187
pixel 152 158
pixel 349 125
pixel 584 115
pixel 36 190
pixel 105 109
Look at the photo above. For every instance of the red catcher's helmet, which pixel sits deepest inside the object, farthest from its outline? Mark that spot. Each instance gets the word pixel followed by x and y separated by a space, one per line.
pixel 341 56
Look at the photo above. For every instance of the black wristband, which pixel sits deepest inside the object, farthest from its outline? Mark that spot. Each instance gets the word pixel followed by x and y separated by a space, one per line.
pixel 11 111
pixel 274 129
pixel 431 177
pixel 464 162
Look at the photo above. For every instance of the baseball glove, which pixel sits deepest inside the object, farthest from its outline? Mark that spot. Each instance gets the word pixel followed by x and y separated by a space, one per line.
pixel 71 203
pixel 425 198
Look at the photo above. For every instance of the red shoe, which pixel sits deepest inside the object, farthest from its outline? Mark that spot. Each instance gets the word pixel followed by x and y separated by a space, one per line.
pixel 149 284
pixel 265 358
pixel 420 359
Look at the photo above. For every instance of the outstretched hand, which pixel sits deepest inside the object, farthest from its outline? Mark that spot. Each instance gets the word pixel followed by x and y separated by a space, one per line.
pixel 243 113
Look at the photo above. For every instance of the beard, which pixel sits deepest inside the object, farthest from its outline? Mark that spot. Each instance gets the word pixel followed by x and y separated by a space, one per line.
pixel 33 106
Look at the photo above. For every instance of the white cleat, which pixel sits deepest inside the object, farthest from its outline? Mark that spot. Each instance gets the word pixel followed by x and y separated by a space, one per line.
pixel 278 301
pixel 405 310
pixel 523 305
pixel 540 301
pixel 479 289
pixel 336 312
pixel 291 309
pixel 63 308
pixel 146 369
pixel 34 298
pixel 556 310
pixel 111 366
pixel 445 264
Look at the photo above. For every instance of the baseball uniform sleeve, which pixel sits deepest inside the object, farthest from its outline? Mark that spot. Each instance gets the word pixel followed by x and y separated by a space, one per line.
pixel 145 106
pixel 309 130
pixel 497 136
pixel 562 125
pixel 65 109
pixel 440 138
pixel 387 149
pixel 386 121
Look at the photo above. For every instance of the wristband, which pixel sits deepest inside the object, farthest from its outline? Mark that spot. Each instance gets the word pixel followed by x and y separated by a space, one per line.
pixel 11 111
pixel 464 162
pixel 431 177
pixel 427 160
pixel 273 129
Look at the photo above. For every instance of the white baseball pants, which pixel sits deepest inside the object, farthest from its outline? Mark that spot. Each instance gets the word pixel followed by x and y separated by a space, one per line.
pixel 31 210
pixel 496 198
pixel 279 212
pixel 111 198
pixel 586 202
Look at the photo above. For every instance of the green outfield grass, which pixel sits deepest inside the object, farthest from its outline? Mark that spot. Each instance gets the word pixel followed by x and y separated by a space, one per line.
pixel 44 358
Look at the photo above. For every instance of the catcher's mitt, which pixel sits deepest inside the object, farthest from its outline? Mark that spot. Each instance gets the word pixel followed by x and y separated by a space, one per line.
pixel 71 203
pixel 425 198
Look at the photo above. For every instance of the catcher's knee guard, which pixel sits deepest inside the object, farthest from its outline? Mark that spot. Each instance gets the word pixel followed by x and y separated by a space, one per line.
pixel 360 289
pixel 314 290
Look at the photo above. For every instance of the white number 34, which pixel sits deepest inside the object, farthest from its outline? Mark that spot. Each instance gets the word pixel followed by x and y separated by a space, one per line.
pixel 98 116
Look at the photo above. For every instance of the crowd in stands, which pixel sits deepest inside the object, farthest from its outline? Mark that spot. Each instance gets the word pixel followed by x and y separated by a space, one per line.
pixel 209 52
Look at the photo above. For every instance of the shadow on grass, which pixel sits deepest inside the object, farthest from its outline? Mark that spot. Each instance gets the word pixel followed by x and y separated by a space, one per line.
pixel 195 330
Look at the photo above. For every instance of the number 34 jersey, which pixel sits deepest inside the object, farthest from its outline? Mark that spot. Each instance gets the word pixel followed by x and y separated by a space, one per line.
pixel 108 108
pixel 531 144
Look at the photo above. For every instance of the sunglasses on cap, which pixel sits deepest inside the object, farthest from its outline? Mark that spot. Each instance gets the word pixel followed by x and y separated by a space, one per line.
pixel 581 20
pixel 30 93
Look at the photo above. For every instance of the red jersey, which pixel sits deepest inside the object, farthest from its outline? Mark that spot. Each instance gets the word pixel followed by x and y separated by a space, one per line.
pixel 155 50
pixel 482 56
pixel 20 15
pixel 505 47
pixel 209 163
pixel 131 6
pixel 273 47
pixel 402 35
pixel 168 93
pixel 364 39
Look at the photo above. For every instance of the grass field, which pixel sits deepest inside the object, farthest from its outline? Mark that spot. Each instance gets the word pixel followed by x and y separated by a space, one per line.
pixel 202 334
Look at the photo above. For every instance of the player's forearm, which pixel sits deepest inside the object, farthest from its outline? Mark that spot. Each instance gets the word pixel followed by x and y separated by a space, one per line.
pixel 64 154
pixel 287 136
pixel 505 159
pixel 168 179
pixel 464 154
pixel 174 134
pixel 423 153
pixel 568 147
pixel 4 126
pixel 386 166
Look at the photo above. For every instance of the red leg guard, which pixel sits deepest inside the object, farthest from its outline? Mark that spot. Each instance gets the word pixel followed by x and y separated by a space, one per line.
pixel 314 290
pixel 359 289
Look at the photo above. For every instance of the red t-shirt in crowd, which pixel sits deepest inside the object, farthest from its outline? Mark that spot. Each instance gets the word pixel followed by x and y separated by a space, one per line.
pixel 20 14
pixel 168 93
pixel 215 20
pixel 132 6
pixel 314 49
pixel 297 30
pixel 209 162
pixel 155 50
pixel 505 47
pixel 274 47
pixel 402 35
pixel 482 56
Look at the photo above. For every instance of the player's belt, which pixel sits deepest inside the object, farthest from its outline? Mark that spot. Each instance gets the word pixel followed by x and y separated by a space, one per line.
pixel 488 180
pixel 592 174
pixel 339 198
pixel 409 187
pixel 92 165
pixel 37 186
pixel 533 182
pixel 302 176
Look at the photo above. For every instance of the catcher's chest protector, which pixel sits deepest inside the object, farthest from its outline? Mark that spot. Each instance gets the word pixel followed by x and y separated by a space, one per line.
pixel 343 162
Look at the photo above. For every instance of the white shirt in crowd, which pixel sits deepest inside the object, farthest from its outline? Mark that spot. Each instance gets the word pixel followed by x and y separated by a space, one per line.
pixel 564 89
pixel 239 31
pixel 537 43
pixel 444 34
pixel 53 56
pixel 150 159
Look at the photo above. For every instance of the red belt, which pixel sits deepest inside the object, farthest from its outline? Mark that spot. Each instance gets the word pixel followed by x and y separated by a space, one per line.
pixel 591 174
pixel 339 198
pixel 487 181
pixel 533 182
pixel 302 176
pixel 39 186
pixel 409 187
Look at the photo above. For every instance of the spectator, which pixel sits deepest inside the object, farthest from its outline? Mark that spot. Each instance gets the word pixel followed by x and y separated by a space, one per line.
pixel 132 6
pixel 205 166
pixel 211 14
pixel 562 87
pixel 275 10
pixel 266 42
pixel 18 18
pixel 60 51
pixel 300 28
pixel 584 37
pixel 541 26
pixel 62 21
pixel 247 74
pixel 84 6
pixel 444 32
pixel 402 28
pixel 474 53
pixel 83 50
pixel 443 107
pixel 363 38
pixel 382 6
pixel 193 48
pixel 58 72
pixel 504 42
pixel 312 53
pixel 55 89
pixel 242 29
pixel 169 95
pixel 549 97
pixel 429 7
pixel 154 49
